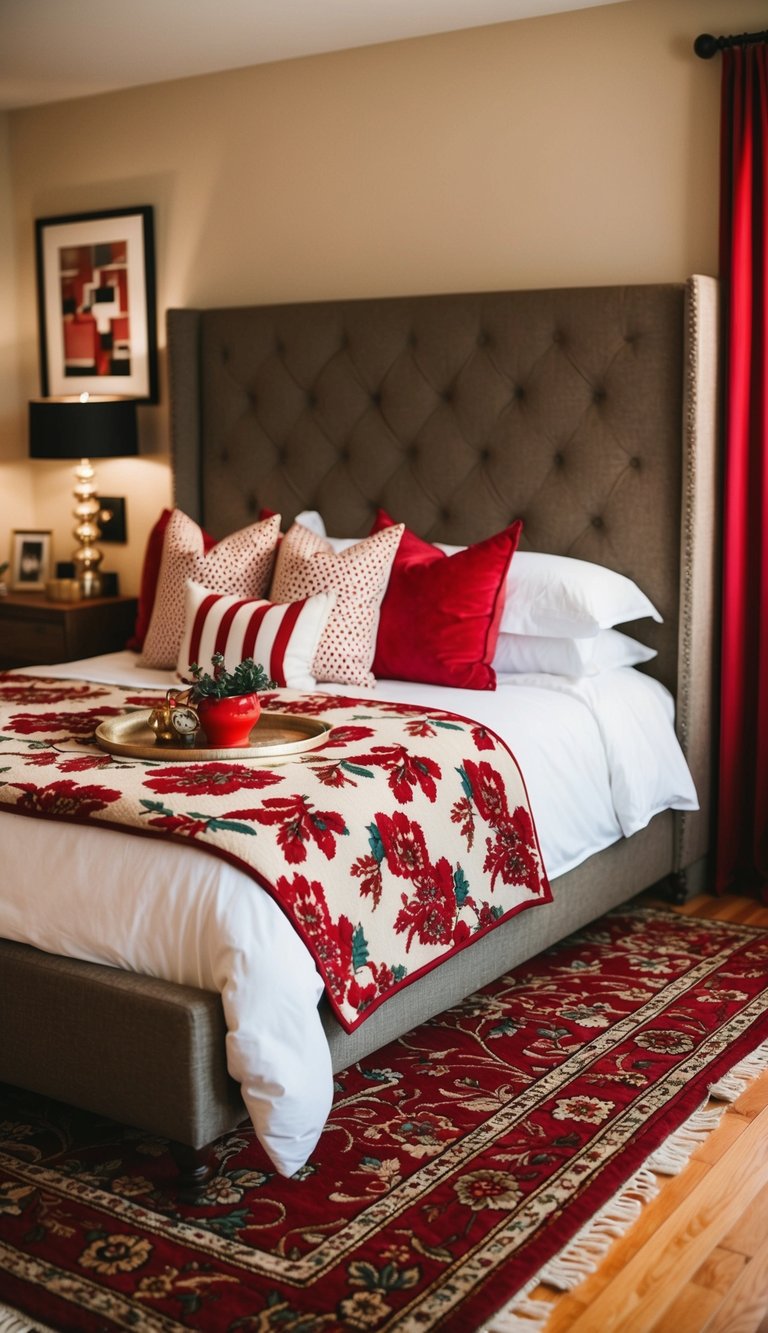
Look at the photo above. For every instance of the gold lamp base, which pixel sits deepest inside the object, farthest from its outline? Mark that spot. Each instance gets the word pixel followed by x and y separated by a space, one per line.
pixel 87 557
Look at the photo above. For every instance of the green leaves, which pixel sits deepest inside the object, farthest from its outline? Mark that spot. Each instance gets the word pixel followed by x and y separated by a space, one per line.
pixel 460 886
pixel 359 948
pixel 248 677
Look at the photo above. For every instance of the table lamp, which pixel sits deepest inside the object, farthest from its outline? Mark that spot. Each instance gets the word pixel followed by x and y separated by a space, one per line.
pixel 84 426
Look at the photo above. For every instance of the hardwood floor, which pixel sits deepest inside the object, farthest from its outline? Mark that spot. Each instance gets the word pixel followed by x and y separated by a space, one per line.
pixel 696 1261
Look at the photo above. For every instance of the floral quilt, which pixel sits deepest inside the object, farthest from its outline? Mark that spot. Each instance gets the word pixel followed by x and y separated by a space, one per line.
pixel 402 839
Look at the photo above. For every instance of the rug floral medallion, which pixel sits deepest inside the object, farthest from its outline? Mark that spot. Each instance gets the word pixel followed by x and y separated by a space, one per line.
pixel 456 1161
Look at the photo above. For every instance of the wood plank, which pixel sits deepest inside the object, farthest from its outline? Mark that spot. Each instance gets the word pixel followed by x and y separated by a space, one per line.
pixel 746 1305
pixel 752 1099
pixel 676 1190
pixel 731 1127
pixel 671 1272
pixel 719 1270
pixel 641 1294
pixel 692 1310
pixel 751 1230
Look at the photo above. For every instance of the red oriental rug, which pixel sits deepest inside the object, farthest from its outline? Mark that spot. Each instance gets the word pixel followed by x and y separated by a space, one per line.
pixel 456 1165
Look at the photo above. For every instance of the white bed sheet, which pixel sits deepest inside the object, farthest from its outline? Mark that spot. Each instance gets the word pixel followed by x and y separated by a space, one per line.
pixel 599 757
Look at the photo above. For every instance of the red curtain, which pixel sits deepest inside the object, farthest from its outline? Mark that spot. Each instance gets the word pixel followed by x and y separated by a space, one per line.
pixel 742 830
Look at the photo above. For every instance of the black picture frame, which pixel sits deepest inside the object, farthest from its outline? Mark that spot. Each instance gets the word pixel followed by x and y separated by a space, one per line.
pixel 96 303
pixel 30 559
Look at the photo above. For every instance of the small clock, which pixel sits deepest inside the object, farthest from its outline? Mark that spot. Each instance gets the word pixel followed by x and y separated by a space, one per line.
pixel 174 720
pixel 184 721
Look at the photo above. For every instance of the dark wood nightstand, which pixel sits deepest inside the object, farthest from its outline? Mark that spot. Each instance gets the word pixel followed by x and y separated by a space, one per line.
pixel 34 631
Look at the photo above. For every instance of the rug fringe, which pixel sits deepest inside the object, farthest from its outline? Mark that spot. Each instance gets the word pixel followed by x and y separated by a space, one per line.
pixel 672 1156
pixel 738 1079
pixel 584 1254
pixel 13 1322
pixel 527 1316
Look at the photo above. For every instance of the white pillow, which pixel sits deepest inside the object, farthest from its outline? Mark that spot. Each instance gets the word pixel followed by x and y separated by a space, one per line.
pixel 556 595
pixel 306 563
pixel 519 653
pixel 309 518
pixel 552 595
pixel 283 638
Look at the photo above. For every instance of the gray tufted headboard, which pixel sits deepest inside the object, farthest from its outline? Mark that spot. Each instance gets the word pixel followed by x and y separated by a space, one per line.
pixel 589 413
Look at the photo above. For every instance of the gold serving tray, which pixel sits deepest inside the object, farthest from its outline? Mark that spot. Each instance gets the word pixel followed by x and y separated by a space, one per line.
pixel 276 736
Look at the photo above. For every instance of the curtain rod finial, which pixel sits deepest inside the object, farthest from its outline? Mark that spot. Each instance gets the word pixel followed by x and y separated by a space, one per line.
pixel 706 46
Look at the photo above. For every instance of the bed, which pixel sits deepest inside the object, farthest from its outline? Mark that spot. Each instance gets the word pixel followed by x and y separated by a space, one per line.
pixel 590 414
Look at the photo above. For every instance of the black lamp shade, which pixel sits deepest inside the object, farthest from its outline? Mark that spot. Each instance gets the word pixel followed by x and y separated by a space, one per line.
pixel 68 427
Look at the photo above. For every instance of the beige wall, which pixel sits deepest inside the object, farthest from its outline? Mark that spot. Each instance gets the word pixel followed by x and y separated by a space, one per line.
pixel 575 149
pixel 17 509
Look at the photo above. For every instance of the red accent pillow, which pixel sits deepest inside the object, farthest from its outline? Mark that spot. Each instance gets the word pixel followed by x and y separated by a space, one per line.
pixel 441 614
pixel 149 575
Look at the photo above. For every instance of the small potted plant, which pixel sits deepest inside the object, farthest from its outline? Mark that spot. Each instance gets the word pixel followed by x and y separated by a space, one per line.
pixel 227 702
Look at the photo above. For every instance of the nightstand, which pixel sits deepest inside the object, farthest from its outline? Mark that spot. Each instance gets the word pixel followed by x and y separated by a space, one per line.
pixel 34 631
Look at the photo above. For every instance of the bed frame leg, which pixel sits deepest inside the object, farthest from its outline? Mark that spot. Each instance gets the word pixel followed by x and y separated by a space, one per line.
pixel 196 1166
pixel 678 890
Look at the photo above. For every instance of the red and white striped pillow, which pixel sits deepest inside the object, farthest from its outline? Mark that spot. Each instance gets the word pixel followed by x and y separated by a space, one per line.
pixel 307 564
pixel 283 638
pixel 240 563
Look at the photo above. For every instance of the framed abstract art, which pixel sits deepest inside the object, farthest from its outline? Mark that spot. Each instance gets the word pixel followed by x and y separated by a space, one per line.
pixel 96 303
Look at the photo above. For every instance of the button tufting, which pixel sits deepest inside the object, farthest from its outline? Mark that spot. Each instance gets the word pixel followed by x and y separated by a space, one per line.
pixel 519 393
pixel 598 396
pixel 224 355
pixel 447 395
pixel 557 337
pixel 486 455
pixel 635 463
pixel 597 522
pixel 483 340
pixel 251 504
pixel 376 398
pixel 559 460
pixel 311 399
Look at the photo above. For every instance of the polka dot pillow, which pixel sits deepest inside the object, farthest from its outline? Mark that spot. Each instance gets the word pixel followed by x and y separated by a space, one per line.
pixel 307 564
pixel 241 563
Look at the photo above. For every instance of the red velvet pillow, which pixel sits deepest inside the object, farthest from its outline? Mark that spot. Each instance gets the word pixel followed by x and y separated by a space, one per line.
pixel 440 615
pixel 149 575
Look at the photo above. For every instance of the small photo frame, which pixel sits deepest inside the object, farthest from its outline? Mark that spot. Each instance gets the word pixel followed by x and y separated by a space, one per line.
pixel 96 303
pixel 30 560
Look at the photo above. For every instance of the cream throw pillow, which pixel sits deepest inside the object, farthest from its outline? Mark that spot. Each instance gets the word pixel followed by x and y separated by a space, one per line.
pixel 307 564
pixel 241 563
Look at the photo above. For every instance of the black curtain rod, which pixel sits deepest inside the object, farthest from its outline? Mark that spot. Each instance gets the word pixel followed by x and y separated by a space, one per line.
pixel 708 46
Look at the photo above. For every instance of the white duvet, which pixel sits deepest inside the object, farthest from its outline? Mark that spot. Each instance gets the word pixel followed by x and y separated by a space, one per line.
pixel 599 757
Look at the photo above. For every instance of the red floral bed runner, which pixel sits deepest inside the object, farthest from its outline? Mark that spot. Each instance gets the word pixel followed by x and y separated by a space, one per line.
pixel 403 838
